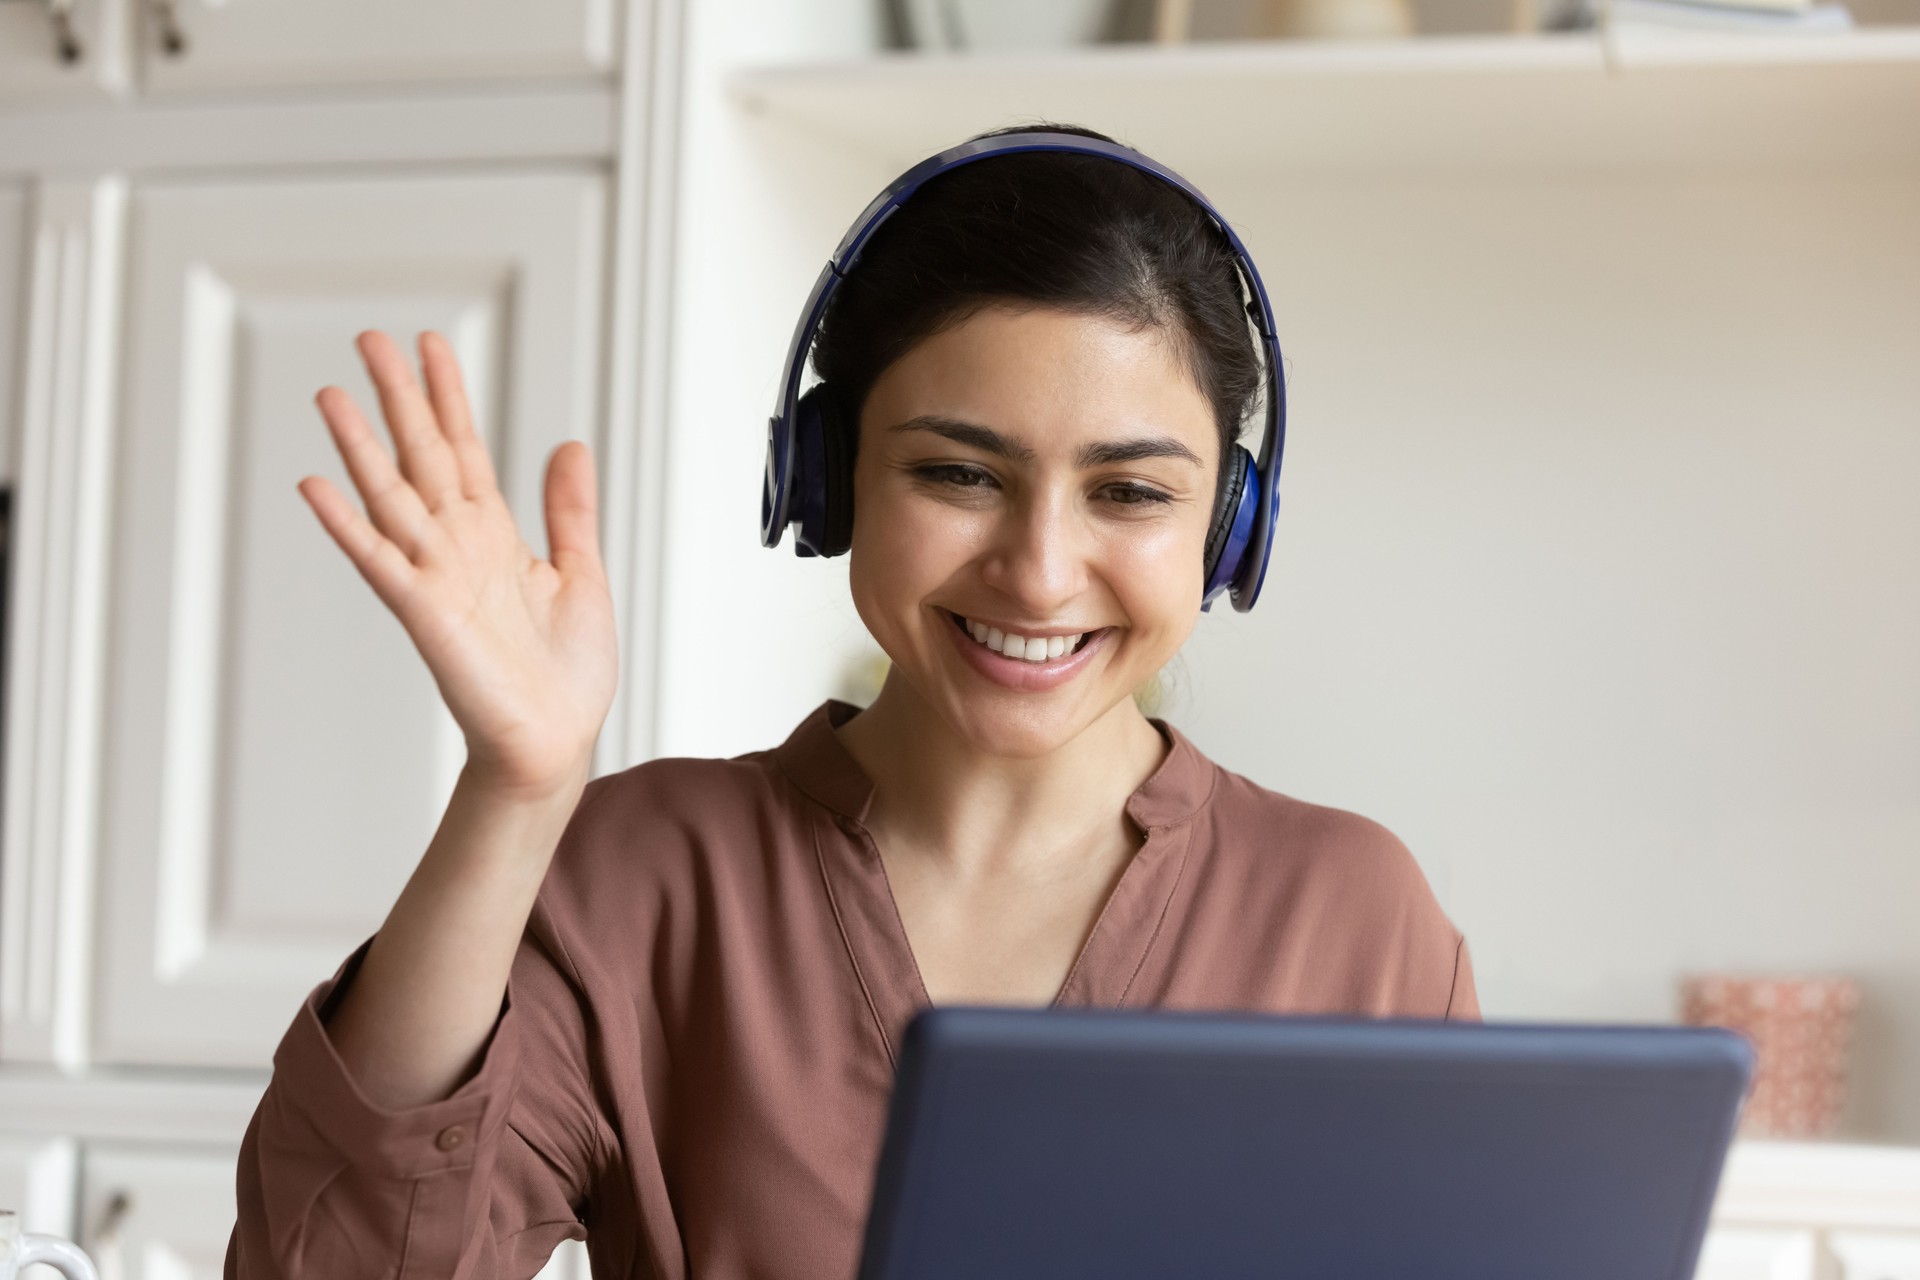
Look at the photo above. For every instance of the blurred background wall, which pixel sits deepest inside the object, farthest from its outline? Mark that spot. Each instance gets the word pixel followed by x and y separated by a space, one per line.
pixel 1596 562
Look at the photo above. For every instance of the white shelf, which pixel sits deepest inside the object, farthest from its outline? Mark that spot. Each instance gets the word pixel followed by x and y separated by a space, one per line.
pixel 1835 1184
pixel 1442 104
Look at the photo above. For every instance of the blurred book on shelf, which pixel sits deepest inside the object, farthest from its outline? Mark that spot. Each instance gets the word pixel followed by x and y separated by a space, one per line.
pixel 1663 17
pixel 1739 10
pixel 986 26
pixel 1713 15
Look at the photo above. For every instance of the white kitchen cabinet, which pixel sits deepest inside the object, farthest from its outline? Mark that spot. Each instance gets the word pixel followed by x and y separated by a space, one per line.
pixel 278 43
pixel 125 47
pixel 13 309
pixel 37 1179
pixel 58 415
pixel 157 1215
pixel 1876 1255
pixel 277 753
pixel 31 65
pixel 222 755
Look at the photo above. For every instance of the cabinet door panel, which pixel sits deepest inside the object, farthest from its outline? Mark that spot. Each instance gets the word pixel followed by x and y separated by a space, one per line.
pixel 307 42
pixel 158 1215
pixel 1758 1253
pixel 279 754
pixel 37 1180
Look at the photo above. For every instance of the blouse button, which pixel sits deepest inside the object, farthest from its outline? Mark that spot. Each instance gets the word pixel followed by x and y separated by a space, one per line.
pixel 451 1136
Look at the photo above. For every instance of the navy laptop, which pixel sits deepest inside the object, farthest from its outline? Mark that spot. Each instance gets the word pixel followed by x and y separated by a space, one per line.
pixel 1057 1144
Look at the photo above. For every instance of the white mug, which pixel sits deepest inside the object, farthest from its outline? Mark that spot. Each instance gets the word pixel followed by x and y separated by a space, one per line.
pixel 19 1250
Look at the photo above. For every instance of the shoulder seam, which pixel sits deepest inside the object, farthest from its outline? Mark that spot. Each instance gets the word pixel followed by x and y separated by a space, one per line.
pixel 1453 985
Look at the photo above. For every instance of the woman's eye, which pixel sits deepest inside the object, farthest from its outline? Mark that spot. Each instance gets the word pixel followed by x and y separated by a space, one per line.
pixel 961 477
pixel 1135 495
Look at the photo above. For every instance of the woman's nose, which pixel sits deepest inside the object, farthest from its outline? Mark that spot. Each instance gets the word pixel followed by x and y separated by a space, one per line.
pixel 1040 555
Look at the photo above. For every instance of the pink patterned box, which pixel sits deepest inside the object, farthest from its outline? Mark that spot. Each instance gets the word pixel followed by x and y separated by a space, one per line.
pixel 1800 1027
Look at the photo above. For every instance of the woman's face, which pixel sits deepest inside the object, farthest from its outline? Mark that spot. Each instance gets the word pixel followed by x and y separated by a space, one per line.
pixel 1037 474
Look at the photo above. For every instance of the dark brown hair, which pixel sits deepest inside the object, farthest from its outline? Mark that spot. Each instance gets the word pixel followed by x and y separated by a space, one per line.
pixel 1081 233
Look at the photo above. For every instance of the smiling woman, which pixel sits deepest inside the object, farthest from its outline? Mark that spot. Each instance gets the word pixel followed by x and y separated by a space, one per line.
pixel 660 1010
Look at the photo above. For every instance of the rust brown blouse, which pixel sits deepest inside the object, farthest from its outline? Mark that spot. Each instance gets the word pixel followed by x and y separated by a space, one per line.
pixel 693 1057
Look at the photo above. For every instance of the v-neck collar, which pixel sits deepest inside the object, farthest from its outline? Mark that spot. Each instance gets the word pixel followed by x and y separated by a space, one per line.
pixel 820 767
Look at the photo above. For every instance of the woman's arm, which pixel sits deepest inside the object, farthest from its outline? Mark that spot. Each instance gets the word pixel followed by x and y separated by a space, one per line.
pixel 480 1185
pixel 382 1136
pixel 524 653
pixel 411 1025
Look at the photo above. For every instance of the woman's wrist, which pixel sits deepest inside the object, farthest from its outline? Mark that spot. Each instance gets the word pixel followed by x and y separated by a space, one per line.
pixel 546 789
pixel 493 828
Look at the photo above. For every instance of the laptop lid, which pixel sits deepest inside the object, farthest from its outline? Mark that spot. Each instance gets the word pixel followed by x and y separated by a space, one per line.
pixel 1122 1144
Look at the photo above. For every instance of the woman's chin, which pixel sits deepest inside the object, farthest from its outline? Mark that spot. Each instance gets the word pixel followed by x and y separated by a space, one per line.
pixel 1020 728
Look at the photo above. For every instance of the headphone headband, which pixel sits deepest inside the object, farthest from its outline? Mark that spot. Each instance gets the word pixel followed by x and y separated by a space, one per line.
pixel 1249 541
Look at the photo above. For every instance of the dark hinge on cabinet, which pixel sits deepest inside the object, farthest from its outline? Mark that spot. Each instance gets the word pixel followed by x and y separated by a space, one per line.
pixel 66 41
pixel 166 17
pixel 103 1242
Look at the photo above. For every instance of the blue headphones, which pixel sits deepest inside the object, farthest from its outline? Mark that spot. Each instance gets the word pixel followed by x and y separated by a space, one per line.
pixel 809 479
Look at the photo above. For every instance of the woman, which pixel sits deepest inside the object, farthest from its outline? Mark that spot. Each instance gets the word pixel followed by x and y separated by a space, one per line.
pixel 663 1006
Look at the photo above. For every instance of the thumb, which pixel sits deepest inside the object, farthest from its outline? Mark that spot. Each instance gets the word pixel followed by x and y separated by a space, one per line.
pixel 573 531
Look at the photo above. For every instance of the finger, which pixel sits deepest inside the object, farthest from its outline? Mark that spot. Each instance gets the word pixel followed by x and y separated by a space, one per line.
pixel 391 502
pixel 573 532
pixel 447 392
pixel 424 456
pixel 384 566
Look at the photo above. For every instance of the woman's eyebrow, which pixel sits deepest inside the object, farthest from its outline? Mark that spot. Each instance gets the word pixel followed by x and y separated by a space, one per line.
pixel 985 439
pixel 1098 454
pixel 1107 452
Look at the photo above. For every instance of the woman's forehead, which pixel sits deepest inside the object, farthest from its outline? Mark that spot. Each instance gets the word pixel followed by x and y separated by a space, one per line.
pixel 1047 381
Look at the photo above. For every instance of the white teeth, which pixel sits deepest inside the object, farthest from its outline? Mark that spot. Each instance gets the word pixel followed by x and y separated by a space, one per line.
pixel 1038 649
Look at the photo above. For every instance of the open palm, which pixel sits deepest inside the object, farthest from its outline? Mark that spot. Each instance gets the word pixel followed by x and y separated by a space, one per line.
pixel 523 649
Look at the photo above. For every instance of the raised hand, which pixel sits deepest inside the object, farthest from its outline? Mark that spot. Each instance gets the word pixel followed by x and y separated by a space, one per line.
pixel 523 649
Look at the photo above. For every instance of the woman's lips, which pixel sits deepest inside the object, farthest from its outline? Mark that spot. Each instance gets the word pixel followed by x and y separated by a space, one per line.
pixel 1017 673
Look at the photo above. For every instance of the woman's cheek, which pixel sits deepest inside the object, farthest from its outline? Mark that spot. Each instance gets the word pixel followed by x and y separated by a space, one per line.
pixel 902 553
pixel 1157 576
pixel 928 542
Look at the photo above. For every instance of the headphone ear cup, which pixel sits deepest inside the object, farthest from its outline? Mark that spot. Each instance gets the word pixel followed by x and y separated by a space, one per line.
pixel 1226 515
pixel 1233 522
pixel 839 433
pixel 823 480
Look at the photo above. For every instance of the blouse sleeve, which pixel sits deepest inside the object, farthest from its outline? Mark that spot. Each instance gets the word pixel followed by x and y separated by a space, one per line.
pixel 481 1185
pixel 1464 1004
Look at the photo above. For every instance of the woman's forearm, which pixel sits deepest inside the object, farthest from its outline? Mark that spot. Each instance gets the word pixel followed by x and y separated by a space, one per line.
pixel 411 1024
